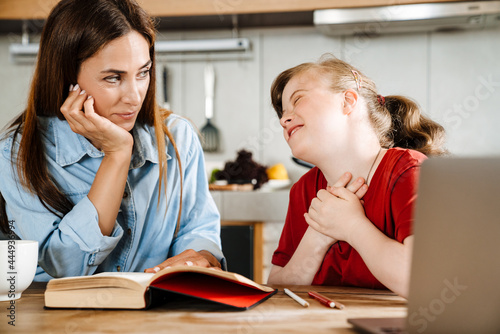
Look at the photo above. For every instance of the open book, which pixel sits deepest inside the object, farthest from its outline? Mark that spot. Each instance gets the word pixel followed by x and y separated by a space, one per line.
pixel 134 290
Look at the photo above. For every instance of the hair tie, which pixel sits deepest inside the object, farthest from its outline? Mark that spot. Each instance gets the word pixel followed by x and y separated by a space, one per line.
pixel 357 78
pixel 381 100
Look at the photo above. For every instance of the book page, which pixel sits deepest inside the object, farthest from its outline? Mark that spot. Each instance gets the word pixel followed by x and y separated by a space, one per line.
pixel 141 278
pixel 130 280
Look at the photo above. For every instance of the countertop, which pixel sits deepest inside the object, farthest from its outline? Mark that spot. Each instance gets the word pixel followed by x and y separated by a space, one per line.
pixel 254 205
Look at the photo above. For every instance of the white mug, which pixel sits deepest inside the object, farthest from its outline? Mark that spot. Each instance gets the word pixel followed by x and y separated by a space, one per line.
pixel 18 262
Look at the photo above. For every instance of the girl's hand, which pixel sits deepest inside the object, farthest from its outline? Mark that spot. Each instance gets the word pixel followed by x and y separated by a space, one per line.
pixel 337 211
pixel 358 187
pixel 189 257
pixel 78 109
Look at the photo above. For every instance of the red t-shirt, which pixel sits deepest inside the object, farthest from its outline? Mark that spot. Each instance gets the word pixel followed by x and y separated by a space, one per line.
pixel 389 205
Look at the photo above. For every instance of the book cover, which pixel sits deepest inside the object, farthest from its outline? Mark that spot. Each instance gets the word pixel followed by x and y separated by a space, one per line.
pixel 145 290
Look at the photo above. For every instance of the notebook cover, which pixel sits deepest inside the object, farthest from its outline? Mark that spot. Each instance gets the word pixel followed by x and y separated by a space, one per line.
pixel 213 289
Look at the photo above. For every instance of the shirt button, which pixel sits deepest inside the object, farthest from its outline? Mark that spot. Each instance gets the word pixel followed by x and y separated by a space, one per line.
pixel 118 268
pixel 125 195
pixel 129 231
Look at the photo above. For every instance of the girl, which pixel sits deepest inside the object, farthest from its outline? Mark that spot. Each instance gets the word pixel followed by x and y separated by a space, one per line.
pixel 95 172
pixel 333 117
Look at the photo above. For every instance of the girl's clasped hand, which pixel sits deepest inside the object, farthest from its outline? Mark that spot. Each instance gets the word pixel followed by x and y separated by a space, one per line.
pixel 336 211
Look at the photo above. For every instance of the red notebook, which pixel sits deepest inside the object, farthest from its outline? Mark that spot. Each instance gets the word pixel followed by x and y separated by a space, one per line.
pixel 219 290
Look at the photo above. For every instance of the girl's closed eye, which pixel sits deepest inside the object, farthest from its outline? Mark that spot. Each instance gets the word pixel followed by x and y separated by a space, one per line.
pixel 297 99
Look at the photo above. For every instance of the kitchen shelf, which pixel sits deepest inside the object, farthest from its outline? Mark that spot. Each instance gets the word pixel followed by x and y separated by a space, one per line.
pixel 36 9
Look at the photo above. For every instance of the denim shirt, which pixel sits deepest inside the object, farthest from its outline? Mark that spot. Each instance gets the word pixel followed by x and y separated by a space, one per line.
pixel 143 235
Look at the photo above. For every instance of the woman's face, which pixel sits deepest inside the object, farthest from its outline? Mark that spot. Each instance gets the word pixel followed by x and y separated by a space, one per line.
pixel 312 121
pixel 117 77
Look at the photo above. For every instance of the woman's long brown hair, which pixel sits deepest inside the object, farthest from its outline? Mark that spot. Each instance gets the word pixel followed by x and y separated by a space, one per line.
pixel 75 31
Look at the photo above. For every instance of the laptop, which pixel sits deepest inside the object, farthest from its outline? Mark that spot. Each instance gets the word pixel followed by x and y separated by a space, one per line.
pixel 455 272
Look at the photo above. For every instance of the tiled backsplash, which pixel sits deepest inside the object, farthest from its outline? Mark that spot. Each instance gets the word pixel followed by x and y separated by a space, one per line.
pixel 454 76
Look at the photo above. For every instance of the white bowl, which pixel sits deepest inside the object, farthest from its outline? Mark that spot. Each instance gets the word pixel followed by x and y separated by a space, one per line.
pixel 274 184
pixel 18 262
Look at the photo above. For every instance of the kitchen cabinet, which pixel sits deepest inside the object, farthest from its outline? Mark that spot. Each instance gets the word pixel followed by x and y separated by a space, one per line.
pixel 242 244
pixel 251 223
pixel 39 9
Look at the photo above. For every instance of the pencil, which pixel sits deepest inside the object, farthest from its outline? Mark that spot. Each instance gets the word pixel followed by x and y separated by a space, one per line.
pixel 296 298
pixel 325 301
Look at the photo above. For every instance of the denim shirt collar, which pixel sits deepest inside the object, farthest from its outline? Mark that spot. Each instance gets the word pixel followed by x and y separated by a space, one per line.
pixel 72 147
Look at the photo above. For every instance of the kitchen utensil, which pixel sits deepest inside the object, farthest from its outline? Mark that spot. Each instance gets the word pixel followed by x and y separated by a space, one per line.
pixel 302 162
pixel 231 187
pixel 166 103
pixel 209 133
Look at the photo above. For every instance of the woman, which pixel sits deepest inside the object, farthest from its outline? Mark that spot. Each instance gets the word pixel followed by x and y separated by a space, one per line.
pixel 334 118
pixel 100 176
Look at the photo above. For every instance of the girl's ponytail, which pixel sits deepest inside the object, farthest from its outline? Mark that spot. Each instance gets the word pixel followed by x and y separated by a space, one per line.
pixel 410 129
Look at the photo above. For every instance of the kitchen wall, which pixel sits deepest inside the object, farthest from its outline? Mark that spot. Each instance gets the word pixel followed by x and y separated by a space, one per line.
pixel 455 76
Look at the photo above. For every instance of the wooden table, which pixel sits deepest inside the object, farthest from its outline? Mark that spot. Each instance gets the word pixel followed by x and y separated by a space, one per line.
pixel 279 314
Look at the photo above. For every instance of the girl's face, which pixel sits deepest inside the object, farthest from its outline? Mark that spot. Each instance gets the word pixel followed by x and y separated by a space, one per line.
pixel 118 78
pixel 313 122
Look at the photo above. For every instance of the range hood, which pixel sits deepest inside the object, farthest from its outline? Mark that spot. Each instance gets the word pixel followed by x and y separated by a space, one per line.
pixel 408 18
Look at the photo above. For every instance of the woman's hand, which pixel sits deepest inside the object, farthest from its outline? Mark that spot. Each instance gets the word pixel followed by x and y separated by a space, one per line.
pixel 337 211
pixel 78 109
pixel 109 183
pixel 189 257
